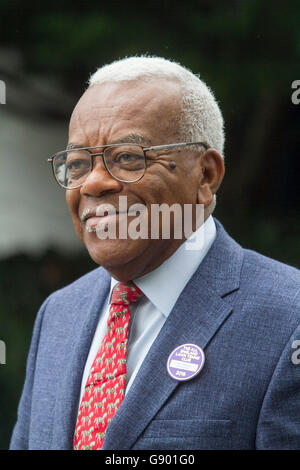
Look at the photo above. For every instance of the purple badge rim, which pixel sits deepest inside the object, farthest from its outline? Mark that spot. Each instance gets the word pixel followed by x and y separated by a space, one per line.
pixel 200 366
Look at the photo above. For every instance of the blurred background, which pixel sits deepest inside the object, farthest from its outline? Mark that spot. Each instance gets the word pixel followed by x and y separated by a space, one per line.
pixel 247 52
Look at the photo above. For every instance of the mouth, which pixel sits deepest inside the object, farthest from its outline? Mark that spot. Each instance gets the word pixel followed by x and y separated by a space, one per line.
pixel 102 214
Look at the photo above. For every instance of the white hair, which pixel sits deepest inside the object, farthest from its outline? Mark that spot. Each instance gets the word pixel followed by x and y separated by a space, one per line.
pixel 200 117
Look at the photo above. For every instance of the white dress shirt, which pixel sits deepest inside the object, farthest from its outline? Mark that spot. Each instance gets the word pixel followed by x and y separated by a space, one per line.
pixel 162 288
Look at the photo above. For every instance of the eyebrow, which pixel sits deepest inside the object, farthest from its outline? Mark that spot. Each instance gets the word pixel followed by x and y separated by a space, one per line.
pixel 74 146
pixel 132 138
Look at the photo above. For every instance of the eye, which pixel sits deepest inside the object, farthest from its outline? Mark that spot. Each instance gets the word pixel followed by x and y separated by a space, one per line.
pixel 129 161
pixel 124 160
pixel 77 167
pixel 127 158
pixel 74 165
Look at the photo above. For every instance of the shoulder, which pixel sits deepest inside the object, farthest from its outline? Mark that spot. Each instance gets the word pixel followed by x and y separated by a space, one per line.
pixel 81 287
pixel 267 288
pixel 270 274
pixel 256 271
pixel 66 312
pixel 67 305
pixel 271 293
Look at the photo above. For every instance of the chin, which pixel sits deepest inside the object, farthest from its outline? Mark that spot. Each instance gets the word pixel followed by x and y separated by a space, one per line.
pixel 113 253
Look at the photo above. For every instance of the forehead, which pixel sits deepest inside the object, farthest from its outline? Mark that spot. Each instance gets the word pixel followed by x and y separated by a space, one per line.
pixel 147 108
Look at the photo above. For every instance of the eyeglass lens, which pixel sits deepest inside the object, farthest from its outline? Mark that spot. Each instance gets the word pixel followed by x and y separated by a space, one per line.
pixel 125 163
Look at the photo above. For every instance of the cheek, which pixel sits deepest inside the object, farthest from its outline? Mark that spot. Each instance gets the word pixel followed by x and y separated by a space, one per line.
pixel 171 189
pixel 73 199
pixel 157 186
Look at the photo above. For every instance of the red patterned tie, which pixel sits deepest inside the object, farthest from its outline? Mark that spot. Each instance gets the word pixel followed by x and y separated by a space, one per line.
pixel 105 386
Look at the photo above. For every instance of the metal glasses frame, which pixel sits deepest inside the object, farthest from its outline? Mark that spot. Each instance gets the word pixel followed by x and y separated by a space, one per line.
pixel 144 149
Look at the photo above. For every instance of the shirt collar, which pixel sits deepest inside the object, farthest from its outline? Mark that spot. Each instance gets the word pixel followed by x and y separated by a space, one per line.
pixel 163 285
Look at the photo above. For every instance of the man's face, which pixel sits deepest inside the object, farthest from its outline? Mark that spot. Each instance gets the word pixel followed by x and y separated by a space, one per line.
pixel 110 113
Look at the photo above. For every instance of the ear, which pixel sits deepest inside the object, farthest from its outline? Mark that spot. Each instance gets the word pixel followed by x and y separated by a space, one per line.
pixel 212 171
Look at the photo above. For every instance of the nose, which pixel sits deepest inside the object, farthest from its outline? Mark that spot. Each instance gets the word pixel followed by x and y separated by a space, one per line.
pixel 99 181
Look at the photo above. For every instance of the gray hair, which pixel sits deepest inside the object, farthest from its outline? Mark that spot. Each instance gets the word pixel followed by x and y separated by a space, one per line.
pixel 200 119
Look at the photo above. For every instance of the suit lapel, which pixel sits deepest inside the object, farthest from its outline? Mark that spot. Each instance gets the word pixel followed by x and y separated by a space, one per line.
pixel 77 348
pixel 198 314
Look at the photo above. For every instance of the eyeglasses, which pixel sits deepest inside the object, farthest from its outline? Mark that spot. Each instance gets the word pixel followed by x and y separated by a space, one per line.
pixel 124 162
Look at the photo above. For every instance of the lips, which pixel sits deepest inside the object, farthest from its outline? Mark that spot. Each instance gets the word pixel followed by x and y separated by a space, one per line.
pixel 102 214
pixel 108 215
pixel 102 210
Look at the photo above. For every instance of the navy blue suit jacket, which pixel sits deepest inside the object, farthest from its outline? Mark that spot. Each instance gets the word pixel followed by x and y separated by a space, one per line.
pixel 240 307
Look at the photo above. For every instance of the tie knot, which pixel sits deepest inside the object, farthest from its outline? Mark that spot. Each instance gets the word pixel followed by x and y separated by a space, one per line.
pixel 125 293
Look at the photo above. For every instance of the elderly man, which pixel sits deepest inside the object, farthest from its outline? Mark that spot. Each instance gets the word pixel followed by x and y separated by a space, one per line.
pixel 163 346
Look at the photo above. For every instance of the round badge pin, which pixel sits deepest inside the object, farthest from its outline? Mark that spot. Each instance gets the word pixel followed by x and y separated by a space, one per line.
pixel 185 361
